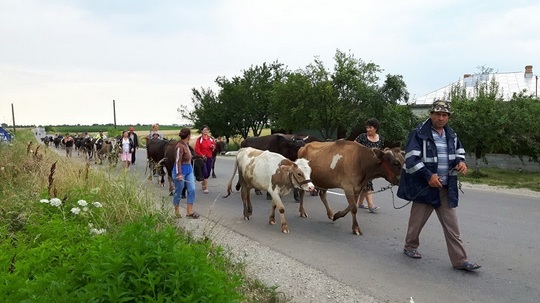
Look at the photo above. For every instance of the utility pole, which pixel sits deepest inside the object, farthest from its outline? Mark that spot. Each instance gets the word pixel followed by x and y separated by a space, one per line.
pixel 114 112
pixel 13 116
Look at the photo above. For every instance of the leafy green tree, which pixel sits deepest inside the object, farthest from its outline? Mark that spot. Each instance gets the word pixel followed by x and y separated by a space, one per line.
pixel 521 127
pixel 208 110
pixel 290 105
pixel 471 115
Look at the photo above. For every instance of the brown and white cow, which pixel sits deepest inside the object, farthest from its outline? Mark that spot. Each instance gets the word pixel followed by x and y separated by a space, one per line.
pixel 348 165
pixel 265 170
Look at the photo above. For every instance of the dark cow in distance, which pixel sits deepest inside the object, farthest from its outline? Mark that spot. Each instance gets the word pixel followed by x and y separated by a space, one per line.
pixel 286 145
pixel 349 166
pixel 272 172
pixel 220 148
pixel 161 159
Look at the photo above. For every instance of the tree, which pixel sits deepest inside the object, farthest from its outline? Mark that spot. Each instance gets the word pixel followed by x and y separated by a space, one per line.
pixel 471 115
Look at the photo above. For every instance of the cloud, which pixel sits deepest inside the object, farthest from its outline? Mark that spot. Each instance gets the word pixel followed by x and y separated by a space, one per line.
pixel 147 55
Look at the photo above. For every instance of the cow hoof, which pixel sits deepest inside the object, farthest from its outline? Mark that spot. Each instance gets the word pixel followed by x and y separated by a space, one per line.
pixel 246 218
pixel 272 222
pixel 304 215
pixel 357 232
pixel 214 176
pixel 285 231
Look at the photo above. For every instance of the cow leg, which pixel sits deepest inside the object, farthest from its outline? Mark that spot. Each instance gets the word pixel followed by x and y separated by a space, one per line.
pixel 329 212
pixel 268 196
pixel 351 199
pixel 171 185
pixel 303 213
pixel 272 217
pixel 276 202
pixel 213 165
pixel 246 201
pixel 296 194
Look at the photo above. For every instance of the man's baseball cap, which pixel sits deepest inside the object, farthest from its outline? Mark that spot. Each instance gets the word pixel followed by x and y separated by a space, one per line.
pixel 440 106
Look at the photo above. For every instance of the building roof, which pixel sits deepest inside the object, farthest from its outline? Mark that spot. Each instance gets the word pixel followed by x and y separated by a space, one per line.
pixel 509 84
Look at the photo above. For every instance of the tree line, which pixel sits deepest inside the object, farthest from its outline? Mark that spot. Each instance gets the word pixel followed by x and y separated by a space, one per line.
pixel 334 103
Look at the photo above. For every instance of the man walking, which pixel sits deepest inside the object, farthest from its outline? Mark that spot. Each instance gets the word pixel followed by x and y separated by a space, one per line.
pixel 434 156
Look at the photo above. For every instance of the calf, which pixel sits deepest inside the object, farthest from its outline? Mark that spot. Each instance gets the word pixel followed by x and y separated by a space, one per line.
pixel 272 172
pixel 283 144
pixel 349 166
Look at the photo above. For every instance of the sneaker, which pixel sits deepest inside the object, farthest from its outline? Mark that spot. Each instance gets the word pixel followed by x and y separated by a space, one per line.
pixel 373 209
pixel 363 206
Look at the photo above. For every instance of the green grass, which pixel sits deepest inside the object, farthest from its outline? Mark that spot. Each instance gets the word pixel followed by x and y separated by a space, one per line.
pixel 504 178
pixel 123 249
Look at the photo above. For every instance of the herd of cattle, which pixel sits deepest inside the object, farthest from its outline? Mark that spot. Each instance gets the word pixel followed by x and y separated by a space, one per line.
pixel 90 148
pixel 278 164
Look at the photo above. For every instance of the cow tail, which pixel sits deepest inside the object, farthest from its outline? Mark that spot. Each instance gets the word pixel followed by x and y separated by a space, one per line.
pixel 229 185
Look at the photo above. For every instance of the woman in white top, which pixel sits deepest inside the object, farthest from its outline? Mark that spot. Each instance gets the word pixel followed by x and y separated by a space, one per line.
pixel 127 148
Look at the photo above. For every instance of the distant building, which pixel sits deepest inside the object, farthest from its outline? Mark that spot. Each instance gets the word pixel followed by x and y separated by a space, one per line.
pixel 509 84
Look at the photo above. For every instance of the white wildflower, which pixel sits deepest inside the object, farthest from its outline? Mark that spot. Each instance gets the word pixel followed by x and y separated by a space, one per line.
pixel 85 208
pixel 44 201
pixel 76 210
pixel 90 224
pixel 94 190
pixel 56 202
pixel 97 204
pixel 96 231
pixel 82 203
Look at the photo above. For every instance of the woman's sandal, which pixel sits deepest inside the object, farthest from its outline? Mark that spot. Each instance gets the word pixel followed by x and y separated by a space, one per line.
pixel 468 266
pixel 412 253
pixel 194 215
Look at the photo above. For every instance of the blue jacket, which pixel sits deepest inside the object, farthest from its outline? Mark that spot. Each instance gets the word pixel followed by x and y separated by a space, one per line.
pixel 421 163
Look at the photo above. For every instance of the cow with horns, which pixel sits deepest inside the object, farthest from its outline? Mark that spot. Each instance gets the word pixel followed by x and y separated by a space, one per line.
pixel 160 154
pixel 349 166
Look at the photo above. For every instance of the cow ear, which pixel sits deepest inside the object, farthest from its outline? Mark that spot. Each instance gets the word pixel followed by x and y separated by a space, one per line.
pixel 285 167
pixel 380 155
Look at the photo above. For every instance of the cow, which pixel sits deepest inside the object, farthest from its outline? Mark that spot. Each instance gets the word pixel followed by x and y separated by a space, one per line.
pixel 109 150
pixel 88 146
pixel 161 159
pixel 284 144
pixel 348 165
pixel 265 170
pixel 57 141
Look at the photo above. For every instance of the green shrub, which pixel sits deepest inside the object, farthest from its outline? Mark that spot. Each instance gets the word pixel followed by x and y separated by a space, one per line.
pixel 143 262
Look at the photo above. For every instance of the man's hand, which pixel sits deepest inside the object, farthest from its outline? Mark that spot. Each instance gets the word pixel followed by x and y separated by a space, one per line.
pixel 461 167
pixel 435 181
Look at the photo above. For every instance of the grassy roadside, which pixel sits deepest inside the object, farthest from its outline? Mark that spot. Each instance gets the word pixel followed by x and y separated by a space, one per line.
pixel 69 233
pixel 504 178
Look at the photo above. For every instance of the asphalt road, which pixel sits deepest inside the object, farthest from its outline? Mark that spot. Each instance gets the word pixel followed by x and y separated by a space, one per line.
pixel 500 231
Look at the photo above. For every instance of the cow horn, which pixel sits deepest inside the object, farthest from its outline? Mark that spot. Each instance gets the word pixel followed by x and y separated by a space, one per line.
pixel 160 163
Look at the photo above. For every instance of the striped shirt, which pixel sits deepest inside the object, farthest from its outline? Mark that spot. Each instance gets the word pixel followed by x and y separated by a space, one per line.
pixel 442 155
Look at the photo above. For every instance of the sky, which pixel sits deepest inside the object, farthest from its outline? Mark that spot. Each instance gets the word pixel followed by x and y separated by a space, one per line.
pixel 65 61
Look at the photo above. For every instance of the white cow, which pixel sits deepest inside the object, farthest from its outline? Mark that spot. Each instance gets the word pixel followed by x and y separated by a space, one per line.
pixel 264 170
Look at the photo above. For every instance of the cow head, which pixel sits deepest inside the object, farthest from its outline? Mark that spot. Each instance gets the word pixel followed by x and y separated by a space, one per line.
pixel 299 174
pixel 391 161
